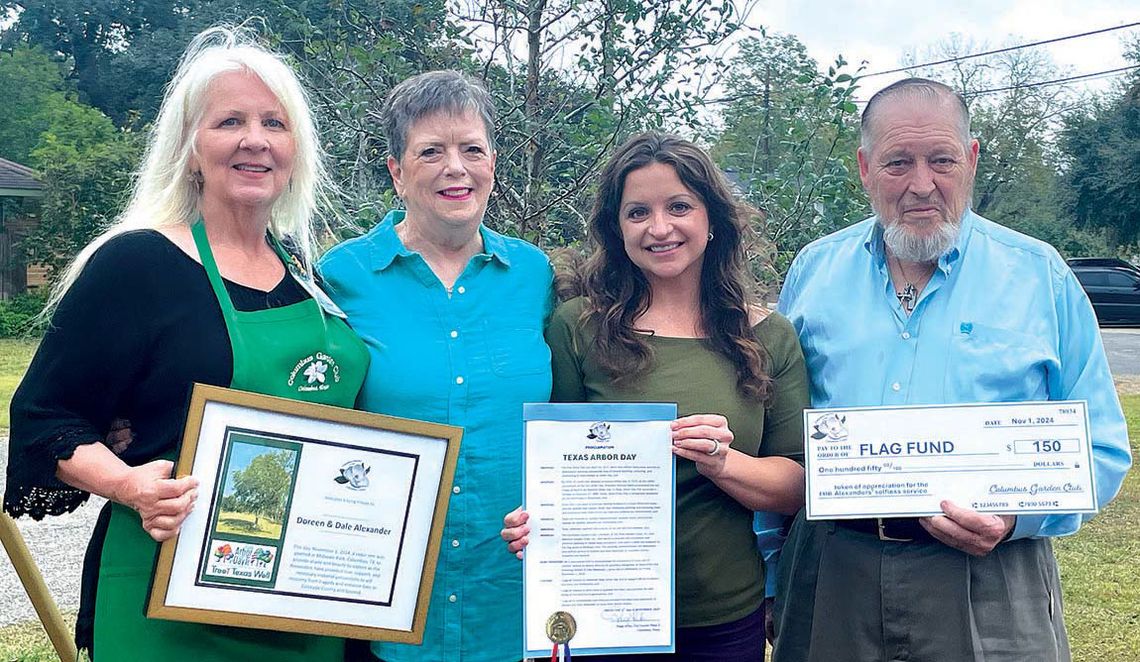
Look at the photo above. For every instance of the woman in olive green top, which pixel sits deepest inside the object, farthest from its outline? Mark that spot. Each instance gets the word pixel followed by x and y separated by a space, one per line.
pixel 667 316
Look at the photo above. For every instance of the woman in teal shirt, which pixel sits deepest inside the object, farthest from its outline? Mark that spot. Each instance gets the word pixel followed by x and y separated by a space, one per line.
pixel 452 314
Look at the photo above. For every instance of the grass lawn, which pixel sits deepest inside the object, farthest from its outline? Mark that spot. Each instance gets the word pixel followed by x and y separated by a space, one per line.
pixel 14 358
pixel 26 642
pixel 1100 573
pixel 1099 565
pixel 244 524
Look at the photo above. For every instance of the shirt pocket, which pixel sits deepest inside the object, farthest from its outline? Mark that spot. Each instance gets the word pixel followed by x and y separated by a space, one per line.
pixel 994 364
pixel 517 351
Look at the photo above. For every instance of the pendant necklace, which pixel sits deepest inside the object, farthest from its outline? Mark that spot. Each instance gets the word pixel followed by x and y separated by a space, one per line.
pixel 908 295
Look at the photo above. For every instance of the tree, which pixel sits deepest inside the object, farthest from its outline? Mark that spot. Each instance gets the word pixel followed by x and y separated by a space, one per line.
pixel 573 78
pixel 83 160
pixel 1016 122
pixel 120 55
pixel 262 487
pixel 789 136
pixel 86 34
pixel 87 181
pixel 351 54
pixel 1102 159
pixel 33 88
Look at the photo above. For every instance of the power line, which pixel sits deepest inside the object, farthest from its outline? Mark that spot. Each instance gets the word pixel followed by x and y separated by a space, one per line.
pixel 1043 83
pixel 1000 50
pixel 1046 83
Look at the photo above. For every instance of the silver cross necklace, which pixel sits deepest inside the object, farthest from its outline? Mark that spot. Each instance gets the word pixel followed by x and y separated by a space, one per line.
pixel 908 295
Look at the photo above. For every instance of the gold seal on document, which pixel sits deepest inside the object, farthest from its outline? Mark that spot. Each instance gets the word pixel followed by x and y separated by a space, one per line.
pixel 560 627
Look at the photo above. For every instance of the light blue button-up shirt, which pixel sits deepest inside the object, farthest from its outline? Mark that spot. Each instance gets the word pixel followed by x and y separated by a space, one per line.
pixel 470 359
pixel 1002 319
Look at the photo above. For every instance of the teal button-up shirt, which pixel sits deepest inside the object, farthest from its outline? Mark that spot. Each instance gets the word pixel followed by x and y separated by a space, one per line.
pixel 470 359
pixel 1002 319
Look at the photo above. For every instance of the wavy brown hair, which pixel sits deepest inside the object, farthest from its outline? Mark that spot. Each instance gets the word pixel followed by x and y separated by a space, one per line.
pixel 618 292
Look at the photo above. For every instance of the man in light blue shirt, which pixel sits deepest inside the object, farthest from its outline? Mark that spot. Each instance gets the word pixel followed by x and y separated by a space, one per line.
pixel 929 303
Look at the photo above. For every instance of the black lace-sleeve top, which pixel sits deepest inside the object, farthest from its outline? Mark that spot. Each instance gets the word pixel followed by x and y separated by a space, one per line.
pixel 135 330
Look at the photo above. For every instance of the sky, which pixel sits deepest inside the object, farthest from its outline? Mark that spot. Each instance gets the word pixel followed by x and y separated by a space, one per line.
pixel 882 31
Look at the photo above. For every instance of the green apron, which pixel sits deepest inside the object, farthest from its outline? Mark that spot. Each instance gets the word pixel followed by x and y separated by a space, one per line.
pixel 273 351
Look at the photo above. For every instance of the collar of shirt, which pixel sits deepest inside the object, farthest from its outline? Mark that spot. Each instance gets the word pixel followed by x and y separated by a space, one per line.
pixel 873 243
pixel 386 244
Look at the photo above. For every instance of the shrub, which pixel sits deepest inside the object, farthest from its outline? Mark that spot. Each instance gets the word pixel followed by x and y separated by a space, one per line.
pixel 20 315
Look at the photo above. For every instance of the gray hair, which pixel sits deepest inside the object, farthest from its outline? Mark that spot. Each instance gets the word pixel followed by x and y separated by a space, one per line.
pixel 446 91
pixel 913 89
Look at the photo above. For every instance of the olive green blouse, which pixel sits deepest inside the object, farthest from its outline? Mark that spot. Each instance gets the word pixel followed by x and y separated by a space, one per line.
pixel 720 574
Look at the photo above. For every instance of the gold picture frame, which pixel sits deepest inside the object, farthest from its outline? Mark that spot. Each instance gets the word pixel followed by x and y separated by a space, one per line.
pixel 310 518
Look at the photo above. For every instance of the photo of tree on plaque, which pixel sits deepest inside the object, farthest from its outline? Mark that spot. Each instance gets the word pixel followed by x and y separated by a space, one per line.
pixel 248 512
pixel 253 502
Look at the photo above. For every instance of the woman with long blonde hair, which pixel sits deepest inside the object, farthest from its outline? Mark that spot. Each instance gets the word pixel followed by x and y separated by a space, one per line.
pixel 191 284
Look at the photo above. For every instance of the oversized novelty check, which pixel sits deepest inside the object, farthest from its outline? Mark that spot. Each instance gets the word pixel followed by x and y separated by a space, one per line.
pixel 1012 458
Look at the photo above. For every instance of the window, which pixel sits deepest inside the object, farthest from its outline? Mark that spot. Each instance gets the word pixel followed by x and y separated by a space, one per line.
pixel 1092 277
pixel 1118 279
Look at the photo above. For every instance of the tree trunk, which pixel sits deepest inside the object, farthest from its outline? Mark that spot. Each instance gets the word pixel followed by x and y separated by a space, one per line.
pixel 531 221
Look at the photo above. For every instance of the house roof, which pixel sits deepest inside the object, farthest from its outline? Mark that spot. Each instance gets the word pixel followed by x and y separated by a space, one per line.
pixel 18 180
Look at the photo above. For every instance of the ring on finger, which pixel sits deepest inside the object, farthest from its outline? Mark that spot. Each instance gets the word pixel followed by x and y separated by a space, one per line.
pixel 716 448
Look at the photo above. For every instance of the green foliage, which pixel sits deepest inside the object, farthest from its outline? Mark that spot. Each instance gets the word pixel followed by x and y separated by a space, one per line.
pixel 571 79
pixel 83 32
pixel 1103 161
pixel 1018 181
pixel 623 66
pixel 20 315
pixel 86 173
pixel 119 55
pixel 351 54
pixel 82 159
pixel 230 502
pixel 790 135
pixel 262 487
pixel 34 90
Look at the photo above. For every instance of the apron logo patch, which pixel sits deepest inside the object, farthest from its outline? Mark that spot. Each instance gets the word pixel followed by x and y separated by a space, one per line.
pixel 316 372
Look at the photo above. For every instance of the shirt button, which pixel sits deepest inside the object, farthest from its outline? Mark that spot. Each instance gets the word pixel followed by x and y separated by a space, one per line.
pixel 454 543
pixel 905 335
pixel 455 490
pixel 896 386
pixel 452 598
pixel 461 289
pixel 458 380
pixel 454 334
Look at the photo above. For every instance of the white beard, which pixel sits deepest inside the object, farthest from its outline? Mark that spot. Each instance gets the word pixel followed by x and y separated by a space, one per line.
pixel 924 249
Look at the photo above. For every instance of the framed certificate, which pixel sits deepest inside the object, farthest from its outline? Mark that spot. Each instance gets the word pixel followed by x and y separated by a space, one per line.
pixel 309 518
pixel 1016 458
pixel 599 485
